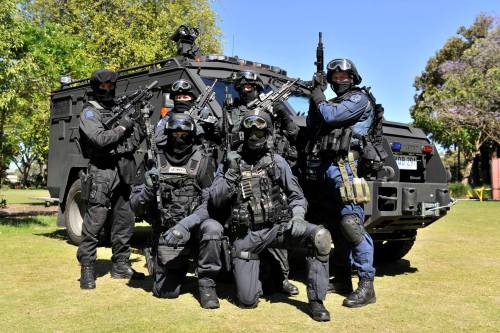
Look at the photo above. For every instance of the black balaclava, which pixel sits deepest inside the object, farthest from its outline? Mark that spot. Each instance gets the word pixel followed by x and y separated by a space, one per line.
pixel 247 97
pixel 341 87
pixel 179 149
pixel 103 96
pixel 183 106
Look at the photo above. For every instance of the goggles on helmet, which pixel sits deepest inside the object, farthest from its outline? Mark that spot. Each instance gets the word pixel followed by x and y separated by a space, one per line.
pixel 179 125
pixel 181 85
pixel 254 121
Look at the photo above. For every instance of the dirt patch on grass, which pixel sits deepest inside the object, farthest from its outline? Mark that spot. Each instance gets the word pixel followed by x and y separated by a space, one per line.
pixel 25 210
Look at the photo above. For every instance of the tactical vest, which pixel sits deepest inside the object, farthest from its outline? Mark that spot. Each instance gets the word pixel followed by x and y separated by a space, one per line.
pixel 180 187
pixel 260 200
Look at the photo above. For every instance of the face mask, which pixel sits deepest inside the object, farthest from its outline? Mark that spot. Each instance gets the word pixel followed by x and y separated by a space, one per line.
pixel 340 87
pixel 247 97
pixel 255 140
pixel 106 97
pixel 180 146
pixel 183 106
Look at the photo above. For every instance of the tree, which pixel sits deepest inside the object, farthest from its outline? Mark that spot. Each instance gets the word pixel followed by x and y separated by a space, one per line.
pixel 40 40
pixel 458 94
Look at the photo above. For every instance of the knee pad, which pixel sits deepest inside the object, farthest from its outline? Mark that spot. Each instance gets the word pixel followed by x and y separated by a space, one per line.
pixel 322 240
pixel 212 228
pixel 352 228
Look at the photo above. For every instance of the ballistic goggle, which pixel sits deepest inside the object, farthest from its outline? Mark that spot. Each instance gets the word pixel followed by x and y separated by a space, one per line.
pixel 339 65
pixel 254 121
pixel 176 124
pixel 181 85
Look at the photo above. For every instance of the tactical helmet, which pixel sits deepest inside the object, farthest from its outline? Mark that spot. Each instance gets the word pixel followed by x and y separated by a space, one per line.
pixel 102 76
pixel 342 64
pixel 247 77
pixel 180 122
pixel 181 87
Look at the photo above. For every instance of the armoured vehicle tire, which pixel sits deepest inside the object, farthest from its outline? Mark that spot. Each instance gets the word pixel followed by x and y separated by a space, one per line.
pixel 74 212
pixel 390 251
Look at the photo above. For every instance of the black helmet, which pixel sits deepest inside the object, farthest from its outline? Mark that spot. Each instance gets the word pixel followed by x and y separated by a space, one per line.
pixel 342 64
pixel 102 76
pixel 256 125
pixel 247 77
pixel 180 122
pixel 181 87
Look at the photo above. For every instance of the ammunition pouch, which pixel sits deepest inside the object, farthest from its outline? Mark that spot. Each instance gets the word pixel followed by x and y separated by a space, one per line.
pixel 336 143
pixel 357 191
pixel 371 160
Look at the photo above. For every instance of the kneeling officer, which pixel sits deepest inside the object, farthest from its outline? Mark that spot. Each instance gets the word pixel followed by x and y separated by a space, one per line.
pixel 186 169
pixel 254 196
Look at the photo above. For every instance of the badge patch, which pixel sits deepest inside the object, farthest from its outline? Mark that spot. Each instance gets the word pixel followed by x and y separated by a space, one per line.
pixel 356 98
pixel 89 114
pixel 177 170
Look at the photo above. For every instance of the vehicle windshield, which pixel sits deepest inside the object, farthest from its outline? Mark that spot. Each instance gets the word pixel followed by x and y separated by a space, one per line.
pixel 294 104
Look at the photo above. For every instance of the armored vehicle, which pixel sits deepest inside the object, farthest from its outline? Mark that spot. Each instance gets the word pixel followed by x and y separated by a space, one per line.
pixel 412 196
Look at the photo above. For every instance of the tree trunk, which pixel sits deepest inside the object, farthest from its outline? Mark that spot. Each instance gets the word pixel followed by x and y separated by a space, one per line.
pixel 3 115
pixel 469 163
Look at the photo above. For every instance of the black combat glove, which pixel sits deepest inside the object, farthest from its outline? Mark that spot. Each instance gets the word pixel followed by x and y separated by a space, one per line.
pixel 126 123
pixel 177 235
pixel 317 96
pixel 232 165
pixel 297 225
pixel 152 176
pixel 319 80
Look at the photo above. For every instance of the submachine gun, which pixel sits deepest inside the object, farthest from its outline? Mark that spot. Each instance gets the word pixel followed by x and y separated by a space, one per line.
pixel 126 105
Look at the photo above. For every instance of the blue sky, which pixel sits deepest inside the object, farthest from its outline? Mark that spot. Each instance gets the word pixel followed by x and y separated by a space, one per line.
pixel 389 41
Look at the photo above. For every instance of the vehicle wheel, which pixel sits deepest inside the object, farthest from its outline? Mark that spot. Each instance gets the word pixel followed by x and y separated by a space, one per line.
pixel 74 212
pixel 390 251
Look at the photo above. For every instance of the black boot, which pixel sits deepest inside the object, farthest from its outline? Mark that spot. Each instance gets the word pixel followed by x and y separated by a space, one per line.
pixel 341 283
pixel 289 288
pixel 208 298
pixel 123 270
pixel 364 295
pixel 87 277
pixel 318 311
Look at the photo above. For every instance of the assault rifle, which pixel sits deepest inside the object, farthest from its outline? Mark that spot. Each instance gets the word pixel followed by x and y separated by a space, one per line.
pixel 126 105
pixel 200 103
pixel 320 63
pixel 265 101
pixel 152 155
pixel 226 122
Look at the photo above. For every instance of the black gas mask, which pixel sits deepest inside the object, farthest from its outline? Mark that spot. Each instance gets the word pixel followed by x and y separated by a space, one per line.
pixel 247 95
pixel 183 106
pixel 341 87
pixel 179 88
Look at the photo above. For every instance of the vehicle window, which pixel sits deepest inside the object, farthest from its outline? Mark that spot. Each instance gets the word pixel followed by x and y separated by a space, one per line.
pixel 300 104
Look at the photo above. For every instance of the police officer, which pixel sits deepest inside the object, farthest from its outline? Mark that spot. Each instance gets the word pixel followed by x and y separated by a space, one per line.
pixel 249 85
pixel 350 112
pixel 254 196
pixel 186 169
pixel 107 187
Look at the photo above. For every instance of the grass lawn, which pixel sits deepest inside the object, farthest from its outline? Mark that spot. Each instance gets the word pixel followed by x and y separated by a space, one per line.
pixel 23 196
pixel 449 282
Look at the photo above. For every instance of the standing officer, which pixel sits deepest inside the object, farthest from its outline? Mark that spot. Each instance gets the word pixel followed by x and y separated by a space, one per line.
pixel 339 127
pixel 186 169
pixel 107 187
pixel 249 85
pixel 255 196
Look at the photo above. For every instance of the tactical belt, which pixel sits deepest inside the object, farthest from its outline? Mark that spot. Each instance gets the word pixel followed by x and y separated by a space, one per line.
pixel 245 255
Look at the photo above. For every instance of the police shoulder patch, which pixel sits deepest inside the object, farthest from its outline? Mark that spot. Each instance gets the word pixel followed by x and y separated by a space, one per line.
pixel 89 114
pixel 356 98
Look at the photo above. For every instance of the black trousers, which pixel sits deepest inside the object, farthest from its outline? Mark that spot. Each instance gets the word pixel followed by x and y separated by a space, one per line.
pixel 246 271
pixel 171 264
pixel 109 199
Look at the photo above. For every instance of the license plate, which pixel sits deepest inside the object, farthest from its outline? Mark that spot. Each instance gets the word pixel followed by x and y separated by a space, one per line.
pixel 405 162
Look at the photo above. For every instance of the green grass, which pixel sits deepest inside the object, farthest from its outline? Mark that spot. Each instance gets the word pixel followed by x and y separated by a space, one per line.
pixel 449 282
pixel 23 196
